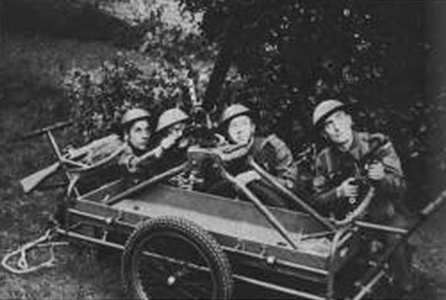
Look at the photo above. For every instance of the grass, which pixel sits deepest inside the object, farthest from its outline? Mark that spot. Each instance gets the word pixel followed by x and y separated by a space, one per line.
pixel 30 73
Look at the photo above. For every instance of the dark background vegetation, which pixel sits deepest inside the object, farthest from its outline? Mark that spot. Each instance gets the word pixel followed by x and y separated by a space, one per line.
pixel 89 60
pixel 385 56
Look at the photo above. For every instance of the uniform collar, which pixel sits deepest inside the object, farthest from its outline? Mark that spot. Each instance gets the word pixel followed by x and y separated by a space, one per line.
pixel 355 147
pixel 136 151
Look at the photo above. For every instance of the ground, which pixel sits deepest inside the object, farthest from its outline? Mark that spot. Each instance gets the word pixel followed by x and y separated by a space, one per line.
pixel 31 68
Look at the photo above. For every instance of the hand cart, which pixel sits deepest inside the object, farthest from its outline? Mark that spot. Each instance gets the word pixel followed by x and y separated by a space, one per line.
pixel 182 243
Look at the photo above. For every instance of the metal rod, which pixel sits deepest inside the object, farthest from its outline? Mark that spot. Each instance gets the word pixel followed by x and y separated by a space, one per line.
pixel 428 210
pixel 72 179
pixel 431 207
pixel 89 215
pixel 88 239
pixel 344 239
pixel 262 208
pixel 44 130
pixel 277 288
pixel 309 236
pixel 331 263
pixel 85 197
pixel 148 182
pixel 368 288
pixel 290 195
pixel 54 145
pixel 380 227
pixel 278 262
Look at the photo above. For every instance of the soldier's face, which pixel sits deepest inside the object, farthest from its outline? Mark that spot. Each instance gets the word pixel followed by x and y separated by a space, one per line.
pixel 241 129
pixel 139 134
pixel 177 130
pixel 338 128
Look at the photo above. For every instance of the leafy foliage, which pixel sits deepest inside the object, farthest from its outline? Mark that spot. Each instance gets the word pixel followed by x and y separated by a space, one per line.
pixel 99 97
pixel 296 53
pixel 157 35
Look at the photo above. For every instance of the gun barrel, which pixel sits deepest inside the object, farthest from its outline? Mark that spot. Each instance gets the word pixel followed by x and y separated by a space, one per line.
pixel 44 130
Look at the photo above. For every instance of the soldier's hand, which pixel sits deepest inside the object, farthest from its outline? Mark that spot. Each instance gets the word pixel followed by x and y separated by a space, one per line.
pixel 169 141
pixel 247 177
pixel 158 151
pixel 375 171
pixel 348 189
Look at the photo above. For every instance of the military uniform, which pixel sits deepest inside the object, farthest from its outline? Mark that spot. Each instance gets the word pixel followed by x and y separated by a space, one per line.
pixel 333 166
pixel 275 157
pixel 386 206
pixel 151 165
pixel 127 163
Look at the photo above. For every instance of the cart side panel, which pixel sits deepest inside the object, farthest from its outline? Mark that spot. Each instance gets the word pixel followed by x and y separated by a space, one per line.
pixel 163 197
pixel 248 248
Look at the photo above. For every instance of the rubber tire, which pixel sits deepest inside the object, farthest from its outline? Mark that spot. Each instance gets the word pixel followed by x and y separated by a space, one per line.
pixel 218 261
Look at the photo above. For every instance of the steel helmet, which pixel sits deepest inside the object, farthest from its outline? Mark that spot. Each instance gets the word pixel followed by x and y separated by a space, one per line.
pixel 133 115
pixel 170 117
pixel 233 111
pixel 325 109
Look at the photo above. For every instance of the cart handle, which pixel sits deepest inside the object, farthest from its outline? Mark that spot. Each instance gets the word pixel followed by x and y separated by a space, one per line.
pixel 81 167
pixel 261 207
pixel 59 125
pixel 433 206
pixel 268 177
pixel 427 211
pixel 169 173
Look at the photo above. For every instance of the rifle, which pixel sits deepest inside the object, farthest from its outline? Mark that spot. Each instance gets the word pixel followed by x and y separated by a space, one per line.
pixel 30 182
pixel 357 170
pixel 376 153
pixel 92 155
pixel 353 208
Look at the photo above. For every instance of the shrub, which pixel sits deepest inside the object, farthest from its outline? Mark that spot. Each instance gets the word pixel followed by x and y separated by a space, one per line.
pixel 99 97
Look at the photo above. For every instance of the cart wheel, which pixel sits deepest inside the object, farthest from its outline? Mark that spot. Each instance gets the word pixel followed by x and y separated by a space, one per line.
pixel 172 258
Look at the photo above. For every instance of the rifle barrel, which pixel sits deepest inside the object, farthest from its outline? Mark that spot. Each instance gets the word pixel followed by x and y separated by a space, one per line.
pixel 44 130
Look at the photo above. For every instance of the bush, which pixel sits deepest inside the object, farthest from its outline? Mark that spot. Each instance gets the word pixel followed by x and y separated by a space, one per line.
pixel 99 97
pixel 379 55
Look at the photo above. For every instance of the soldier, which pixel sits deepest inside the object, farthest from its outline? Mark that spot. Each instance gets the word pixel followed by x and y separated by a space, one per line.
pixel 270 152
pixel 136 133
pixel 346 148
pixel 171 128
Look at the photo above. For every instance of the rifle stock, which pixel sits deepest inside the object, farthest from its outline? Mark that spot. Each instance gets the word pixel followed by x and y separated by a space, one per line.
pixel 30 182
pixel 97 151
